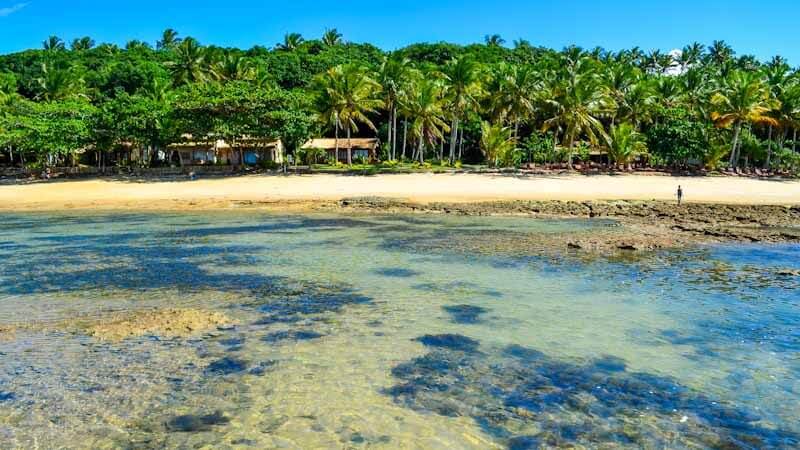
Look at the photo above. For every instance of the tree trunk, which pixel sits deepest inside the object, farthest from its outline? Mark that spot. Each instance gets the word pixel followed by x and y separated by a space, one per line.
pixel 571 146
pixel 461 146
pixel 734 157
pixel 336 143
pixel 405 136
pixel 794 140
pixel 349 149
pixel 421 150
pixel 453 139
pixel 441 149
pixel 394 136
pixel 516 132
pixel 769 148
pixel 389 134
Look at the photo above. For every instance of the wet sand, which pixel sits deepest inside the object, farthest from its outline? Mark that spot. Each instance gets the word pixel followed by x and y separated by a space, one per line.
pixel 299 191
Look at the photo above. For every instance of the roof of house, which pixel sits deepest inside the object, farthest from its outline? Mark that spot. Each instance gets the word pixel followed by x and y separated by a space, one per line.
pixel 220 144
pixel 330 144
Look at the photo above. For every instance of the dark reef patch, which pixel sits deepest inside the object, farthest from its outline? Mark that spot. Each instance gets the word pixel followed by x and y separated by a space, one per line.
pixel 450 341
pixel 396 272
pixel 226 366
pixel 7 396
pixel 191 423
pixel 293 335
pixel 458 287
pixel 530 400
pixel 465 314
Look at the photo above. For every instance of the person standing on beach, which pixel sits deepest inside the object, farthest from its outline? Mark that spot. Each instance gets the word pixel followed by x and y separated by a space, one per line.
pixel 680 195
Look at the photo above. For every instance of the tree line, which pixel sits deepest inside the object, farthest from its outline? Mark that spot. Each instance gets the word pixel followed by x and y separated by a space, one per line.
pixel 501 105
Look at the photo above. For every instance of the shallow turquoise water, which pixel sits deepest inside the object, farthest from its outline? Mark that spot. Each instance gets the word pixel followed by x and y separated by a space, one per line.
pixel 383 332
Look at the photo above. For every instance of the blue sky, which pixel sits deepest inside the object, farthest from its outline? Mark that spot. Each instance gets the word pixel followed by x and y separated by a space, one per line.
pixel 759 28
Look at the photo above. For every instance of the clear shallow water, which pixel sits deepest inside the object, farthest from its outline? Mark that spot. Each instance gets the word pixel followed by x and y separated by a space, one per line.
pixel 382 332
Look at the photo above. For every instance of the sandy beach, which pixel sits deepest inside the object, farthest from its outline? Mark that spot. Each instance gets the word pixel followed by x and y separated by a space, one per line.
pixel 213 193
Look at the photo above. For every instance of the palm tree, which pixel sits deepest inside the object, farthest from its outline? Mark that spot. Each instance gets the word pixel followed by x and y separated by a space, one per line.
pixel 625 144
pixel 58 84
pixel 291 41
pixel 720 53
pixel 515 93
pixel 494 40
pixel 497 144
pixel 81 44
pixel 425 107
pixel 135 45
pixel 345 97
pixel 393 76
pixel 169 40
pixel 53 43
pixel 332 37
pixel 743 98
pixel 189 65
pixel 638 102
pixel 577 104
pixel 463 77
pixel 690 55
pixel 232 66
pixel 787 114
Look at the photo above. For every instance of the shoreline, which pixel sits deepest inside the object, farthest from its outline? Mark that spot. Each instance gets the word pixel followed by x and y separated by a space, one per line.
pixel 717 210
pixel 288 191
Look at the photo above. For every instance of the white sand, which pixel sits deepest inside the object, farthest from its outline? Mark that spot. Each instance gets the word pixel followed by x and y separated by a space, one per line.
pixel 221 192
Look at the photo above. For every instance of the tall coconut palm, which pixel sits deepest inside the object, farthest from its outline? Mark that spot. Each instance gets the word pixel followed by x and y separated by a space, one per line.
pixel 494 40
pixel 514 99
pixel 743 98
pixel 291 41
pixel 53 43
pixel 351 96
pixel 328 101
pixel 189 64
pixel 169 40
pixel 81 44
pixel 577 103
pixel 393 76
pixel 463 78
pixel 425 106
pixel 638 102
pixel 625 144
pixel 332 37
pixel 787 114
pixel 720 53
pixel 691 55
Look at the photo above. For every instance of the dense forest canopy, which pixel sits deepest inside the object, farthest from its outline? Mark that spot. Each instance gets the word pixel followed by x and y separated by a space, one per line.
pixel 503 105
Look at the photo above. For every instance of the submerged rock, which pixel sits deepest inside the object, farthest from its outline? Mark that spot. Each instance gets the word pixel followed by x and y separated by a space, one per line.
pixel 465 314
pixel 450 342
pixel 191 423
pixel 227 366
pixel 397 272
pixel 294 335
pixel 530 400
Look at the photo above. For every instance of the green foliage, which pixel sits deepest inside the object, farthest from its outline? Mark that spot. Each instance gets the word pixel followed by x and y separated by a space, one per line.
pixel 678 138
pixel 150 97
pixel 626 144
pixel 497 145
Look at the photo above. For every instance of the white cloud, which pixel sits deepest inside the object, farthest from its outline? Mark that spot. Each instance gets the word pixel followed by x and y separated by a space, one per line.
pixel 12 9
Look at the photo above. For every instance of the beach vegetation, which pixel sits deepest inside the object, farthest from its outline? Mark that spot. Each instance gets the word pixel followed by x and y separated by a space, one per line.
pixel 90 103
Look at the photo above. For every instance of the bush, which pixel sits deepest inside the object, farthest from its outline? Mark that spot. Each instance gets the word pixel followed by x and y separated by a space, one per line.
pixel 678 139
pixel 786 160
